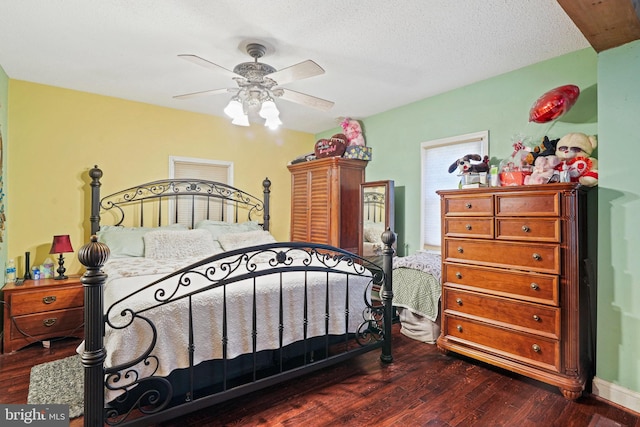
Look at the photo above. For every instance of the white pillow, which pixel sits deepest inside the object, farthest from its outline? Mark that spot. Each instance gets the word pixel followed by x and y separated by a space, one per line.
pixel 373 233
pixel 164 244
pixel 218 228
pixel 128 241
pixel 233 241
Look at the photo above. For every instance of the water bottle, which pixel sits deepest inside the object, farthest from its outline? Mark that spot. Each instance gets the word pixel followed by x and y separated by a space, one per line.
pixel 11 271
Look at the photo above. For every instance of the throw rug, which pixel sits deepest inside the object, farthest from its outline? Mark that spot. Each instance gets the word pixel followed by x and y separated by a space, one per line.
pixel 59 382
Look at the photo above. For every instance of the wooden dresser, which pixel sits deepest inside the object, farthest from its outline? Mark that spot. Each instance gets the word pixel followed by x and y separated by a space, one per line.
pixel 325 202
pixel 42 309
pixel 514 291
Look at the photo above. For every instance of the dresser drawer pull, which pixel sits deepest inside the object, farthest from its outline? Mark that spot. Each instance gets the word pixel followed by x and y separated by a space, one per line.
pixel 537 257
pixel 459 328
pixel 459 301
pixel 468 227
pixel 458 275
pixel 526 228
pixel 50 299
pixel 49 322
pixel 460 250
pixel 536 318
pixel 536 348
pixel 534 286
pixel 468 205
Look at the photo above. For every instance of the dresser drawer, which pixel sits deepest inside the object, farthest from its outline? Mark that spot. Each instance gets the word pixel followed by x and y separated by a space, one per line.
pixel 468 205
pixel 469 227
pixel 534 229
pixel 531 318
pixel 50 323
pixel 544 258
pixel 528 204
pixel 38 300
pixel 533 287
pixel 531 349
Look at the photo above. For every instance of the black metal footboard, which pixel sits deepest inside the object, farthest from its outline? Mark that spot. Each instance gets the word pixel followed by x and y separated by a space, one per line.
pixel 318 283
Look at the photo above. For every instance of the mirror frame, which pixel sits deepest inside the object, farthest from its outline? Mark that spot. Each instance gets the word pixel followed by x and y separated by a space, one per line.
pixel 389 207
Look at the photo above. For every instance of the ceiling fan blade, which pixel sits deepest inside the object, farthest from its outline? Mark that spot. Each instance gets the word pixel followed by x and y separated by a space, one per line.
pixel 308 100
pixel 299 71
pixel 207 64
pixel 203 93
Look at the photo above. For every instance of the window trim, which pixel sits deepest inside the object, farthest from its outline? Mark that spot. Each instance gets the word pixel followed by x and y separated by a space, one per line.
pixel 481 136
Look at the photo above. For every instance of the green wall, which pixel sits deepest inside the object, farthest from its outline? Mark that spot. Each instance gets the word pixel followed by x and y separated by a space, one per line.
pixel 618 346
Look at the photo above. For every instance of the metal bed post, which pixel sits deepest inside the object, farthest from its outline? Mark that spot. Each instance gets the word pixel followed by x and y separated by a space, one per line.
pixel 388 238
pixel 93 255
pixel 94 219
pixel 266 185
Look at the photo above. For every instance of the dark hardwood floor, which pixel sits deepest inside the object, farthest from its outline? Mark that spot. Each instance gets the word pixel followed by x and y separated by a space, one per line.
pixel 423 387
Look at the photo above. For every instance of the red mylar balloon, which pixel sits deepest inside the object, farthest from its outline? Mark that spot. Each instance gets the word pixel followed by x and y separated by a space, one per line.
pixel 554 103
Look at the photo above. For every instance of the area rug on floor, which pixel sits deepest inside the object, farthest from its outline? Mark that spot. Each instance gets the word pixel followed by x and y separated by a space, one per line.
pixel 60 382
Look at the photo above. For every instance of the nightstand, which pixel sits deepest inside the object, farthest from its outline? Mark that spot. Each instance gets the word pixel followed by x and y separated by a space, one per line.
pixel 42 309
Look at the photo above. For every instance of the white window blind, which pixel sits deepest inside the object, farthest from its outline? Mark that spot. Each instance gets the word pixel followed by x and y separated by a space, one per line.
pixel 437 156
pixel 190 212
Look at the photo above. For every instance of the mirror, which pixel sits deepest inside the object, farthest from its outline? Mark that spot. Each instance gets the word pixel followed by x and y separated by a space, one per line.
pixel 376 214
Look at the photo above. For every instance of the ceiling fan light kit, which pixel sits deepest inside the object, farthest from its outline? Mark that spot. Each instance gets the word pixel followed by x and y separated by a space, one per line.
pixel 257 87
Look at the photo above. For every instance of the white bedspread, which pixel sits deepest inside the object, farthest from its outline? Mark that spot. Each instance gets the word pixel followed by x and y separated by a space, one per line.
pixel 172 321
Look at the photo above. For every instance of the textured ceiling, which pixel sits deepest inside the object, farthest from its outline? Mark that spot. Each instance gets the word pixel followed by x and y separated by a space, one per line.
pixel 377 54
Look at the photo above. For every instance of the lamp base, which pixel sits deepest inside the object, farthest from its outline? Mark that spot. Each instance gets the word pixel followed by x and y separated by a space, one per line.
pixel 61 269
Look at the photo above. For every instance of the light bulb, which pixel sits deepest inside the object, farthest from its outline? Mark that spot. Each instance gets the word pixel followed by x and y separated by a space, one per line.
pixel 241 120
pixel 272 122
pixel 269 109
pixel 234 108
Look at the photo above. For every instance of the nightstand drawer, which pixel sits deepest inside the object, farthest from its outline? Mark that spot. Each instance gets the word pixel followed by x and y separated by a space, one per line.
pixel 39 300
pixel 49 324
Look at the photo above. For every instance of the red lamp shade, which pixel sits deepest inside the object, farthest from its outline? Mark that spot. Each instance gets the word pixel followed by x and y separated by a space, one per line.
pixel 61 244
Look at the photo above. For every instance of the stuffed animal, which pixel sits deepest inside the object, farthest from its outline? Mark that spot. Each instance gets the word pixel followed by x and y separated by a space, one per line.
pixel 464 164
pixel 353 131
pixel 543 170
pixel 546 148
pixel 574 150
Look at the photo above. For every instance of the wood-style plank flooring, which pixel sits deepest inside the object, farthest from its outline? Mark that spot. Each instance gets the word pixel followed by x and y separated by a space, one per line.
pixel 423 387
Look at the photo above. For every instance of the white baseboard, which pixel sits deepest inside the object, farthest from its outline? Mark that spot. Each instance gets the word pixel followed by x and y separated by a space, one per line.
pixel 617 394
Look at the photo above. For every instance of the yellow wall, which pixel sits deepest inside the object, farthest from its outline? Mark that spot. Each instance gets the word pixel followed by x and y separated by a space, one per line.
pixel 57 135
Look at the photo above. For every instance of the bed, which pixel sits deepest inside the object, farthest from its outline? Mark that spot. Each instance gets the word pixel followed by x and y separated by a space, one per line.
pixel 417 288
pixel 195 303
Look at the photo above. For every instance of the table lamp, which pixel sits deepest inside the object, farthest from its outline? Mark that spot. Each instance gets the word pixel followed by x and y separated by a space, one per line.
pixel 60 245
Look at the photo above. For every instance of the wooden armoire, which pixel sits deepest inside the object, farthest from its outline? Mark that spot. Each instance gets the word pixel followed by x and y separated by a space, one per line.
pixel 325 201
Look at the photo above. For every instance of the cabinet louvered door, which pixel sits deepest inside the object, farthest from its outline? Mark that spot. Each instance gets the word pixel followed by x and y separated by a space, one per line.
pixel 325 201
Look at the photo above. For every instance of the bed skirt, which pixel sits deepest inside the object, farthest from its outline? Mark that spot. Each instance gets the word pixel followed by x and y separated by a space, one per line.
pixel 418 327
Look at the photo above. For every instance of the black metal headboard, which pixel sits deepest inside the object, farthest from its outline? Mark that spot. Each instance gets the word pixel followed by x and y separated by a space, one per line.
pixel 373 205
pixel 230 201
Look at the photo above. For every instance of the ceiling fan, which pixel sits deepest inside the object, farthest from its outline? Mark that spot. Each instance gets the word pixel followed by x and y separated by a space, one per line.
pixel 258 86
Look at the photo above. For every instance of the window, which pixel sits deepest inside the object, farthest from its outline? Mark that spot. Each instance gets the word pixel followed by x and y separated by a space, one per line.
pixel 437 156
pixel 210 170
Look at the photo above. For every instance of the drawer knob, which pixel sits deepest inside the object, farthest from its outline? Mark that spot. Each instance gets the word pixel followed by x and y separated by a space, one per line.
pixel 49 322
pixel 537 257
pixel 468 205
pixel 458 275
pixel 460 250
pixel 536 348
pixel 534 286
pixel 458 301
pixel 526 228
pixel 50 299
pixel 468 226
pixel 459 328
pixel 536 318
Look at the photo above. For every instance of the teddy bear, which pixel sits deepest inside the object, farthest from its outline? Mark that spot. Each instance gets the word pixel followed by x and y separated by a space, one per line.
pixel 353 131
pixel 574 151
pixel 544 168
